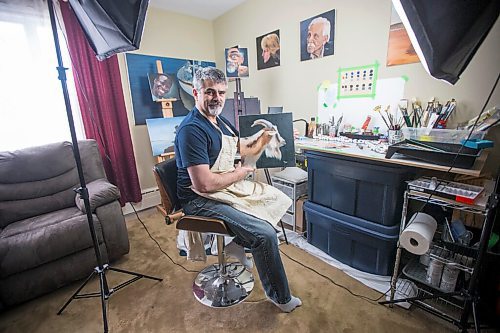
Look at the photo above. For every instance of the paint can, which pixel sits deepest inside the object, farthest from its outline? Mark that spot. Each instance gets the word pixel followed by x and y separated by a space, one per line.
pixel 434 271
pixel 449 277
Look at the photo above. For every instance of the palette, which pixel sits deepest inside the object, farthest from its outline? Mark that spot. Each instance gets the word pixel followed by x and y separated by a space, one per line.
pixel 459 192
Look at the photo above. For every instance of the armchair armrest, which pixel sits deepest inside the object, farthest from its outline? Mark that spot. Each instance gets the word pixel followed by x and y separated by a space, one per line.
pixel 101 192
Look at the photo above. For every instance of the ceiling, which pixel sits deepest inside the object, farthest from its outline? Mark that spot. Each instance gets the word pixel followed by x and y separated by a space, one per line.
pixel 206 9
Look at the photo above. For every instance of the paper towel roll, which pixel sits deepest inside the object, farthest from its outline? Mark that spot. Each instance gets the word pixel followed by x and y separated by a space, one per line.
pixel 417 237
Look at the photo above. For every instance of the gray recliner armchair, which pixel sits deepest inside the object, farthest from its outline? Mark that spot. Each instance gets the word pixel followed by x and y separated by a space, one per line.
pixel 45 241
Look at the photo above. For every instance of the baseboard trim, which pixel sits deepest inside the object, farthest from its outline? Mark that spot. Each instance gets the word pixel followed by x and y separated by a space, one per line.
pixel 150 198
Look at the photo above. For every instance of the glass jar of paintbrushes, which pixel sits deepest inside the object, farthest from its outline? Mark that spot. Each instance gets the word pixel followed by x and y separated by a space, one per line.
pixel 393 123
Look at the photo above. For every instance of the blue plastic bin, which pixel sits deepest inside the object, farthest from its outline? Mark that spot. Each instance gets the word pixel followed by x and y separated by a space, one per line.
pixel 364 245
pixel 371 191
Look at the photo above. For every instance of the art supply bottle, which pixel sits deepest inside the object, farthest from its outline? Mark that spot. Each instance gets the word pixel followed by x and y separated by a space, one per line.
pixel 434 272
pixel 366 123
pixel 311 130
pixel 449 277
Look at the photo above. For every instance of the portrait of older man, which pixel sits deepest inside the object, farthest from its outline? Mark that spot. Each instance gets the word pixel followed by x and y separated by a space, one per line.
pixel 316 36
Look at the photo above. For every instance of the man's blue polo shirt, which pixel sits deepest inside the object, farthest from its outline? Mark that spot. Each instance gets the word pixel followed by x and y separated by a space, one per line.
pixel 197 142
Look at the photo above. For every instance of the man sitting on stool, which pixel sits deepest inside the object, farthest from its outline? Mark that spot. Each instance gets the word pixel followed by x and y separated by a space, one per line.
pixel 209 184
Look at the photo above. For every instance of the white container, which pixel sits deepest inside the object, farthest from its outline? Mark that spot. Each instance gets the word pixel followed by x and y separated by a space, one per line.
pixel 439 135
pixel 434 272
pixel 394 136
pixel 449 277
pixel 425 258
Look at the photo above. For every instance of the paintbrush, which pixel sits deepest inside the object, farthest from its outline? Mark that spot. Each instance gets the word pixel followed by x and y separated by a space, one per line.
pixel 378 109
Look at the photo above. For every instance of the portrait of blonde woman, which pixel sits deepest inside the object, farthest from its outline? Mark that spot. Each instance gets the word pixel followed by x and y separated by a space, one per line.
pixel 268 50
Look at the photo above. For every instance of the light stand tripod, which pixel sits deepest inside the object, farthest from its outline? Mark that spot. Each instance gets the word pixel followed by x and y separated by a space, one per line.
pixel 100 270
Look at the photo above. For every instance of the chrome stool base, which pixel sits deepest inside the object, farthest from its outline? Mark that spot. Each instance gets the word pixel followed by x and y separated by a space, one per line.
pixel 214 289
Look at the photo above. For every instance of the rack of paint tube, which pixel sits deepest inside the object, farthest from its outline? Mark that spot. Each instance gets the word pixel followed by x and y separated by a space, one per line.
pixel 444 279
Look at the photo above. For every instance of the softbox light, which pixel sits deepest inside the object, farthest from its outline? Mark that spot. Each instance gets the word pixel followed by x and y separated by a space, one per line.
pixel 447 33
pixel 111 26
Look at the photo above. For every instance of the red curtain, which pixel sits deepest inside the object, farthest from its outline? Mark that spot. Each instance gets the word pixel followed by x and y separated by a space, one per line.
pixel 102 105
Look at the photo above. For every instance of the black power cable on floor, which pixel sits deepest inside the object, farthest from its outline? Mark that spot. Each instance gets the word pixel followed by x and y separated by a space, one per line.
pixel 158 244
pixel 368 299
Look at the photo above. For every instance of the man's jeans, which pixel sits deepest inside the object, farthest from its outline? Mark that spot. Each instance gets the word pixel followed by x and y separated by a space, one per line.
pixel 253 233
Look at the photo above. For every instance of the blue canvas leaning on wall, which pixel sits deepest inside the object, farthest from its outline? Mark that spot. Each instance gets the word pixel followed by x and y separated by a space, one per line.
pixel 139 66
pixel 162 133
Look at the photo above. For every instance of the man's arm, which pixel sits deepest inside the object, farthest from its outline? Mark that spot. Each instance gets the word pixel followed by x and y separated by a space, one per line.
pixel 205 181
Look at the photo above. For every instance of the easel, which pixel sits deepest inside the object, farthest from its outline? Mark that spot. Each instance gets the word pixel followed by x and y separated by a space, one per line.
pixel 240 110
pixel 167 111
pixel 239 103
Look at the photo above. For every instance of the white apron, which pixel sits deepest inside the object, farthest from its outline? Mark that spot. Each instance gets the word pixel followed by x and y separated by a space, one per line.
pixel 254 198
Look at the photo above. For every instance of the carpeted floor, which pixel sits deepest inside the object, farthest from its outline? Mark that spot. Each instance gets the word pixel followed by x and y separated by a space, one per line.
pixel 169 306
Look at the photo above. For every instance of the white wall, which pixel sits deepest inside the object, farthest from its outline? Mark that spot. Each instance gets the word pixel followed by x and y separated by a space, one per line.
pixel 361 37
pixel 166 34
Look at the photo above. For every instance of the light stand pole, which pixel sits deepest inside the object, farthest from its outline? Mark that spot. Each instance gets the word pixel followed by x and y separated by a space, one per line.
pixel 100 270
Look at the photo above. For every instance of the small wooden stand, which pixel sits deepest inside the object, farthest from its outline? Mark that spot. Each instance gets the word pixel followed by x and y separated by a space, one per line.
pixel 167 111
pixel 167 106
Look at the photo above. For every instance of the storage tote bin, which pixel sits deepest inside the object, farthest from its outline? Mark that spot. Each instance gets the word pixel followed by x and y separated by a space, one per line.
pixel 364 245
pixel 371 191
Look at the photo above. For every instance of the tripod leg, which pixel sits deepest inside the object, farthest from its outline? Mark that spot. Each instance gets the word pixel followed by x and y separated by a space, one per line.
pixel 284 233
pixel 76 292
pixel 104 297
pixel 133 273
pixel 474 315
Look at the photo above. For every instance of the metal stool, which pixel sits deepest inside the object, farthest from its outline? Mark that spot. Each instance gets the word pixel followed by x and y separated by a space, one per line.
pixel 222 284
pixel 219 285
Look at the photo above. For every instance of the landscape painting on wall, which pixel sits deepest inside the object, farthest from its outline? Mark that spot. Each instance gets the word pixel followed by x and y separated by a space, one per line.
pixel 400 50
pixel 180 71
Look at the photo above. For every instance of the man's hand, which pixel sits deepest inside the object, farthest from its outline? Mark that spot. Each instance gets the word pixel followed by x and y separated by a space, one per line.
pixel 242 171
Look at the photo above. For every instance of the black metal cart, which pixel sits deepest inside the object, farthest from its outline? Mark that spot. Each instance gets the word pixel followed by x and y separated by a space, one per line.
pixel 410 284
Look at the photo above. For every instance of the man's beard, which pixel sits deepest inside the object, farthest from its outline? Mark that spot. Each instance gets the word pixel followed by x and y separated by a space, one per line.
pixel 311 47
pixel 215 110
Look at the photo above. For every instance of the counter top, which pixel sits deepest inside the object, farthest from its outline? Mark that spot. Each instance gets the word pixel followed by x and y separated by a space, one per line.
pixel 353 150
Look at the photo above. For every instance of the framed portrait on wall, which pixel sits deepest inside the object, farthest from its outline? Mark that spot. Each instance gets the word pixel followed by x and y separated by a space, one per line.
pixel 268 50
pixel 236 62
pixel 317 36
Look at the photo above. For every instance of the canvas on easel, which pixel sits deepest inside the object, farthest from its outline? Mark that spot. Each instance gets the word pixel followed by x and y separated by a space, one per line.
pixel 266 140
pixel 162 133
pixel 163 86
pixel 252 106
pixel 236 62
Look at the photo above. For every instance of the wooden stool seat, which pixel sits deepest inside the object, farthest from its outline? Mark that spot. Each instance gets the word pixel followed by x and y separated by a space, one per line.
pixel 202 224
